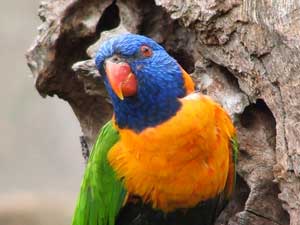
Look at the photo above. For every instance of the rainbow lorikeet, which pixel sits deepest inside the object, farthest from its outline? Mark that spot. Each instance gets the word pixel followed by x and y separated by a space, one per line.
pixel 167 156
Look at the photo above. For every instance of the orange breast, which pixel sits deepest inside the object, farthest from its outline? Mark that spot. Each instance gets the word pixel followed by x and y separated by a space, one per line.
pixel 181 162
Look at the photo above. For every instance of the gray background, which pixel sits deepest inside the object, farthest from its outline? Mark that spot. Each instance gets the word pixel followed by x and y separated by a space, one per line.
pixel 40 160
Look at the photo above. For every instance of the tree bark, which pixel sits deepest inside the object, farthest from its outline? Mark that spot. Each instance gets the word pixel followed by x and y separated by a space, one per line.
pixel 245 54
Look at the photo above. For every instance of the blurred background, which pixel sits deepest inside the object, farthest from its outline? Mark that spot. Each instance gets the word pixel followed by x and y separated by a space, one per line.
pixel 40 157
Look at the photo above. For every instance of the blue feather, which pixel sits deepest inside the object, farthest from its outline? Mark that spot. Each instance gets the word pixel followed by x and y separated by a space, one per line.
pixel 160 82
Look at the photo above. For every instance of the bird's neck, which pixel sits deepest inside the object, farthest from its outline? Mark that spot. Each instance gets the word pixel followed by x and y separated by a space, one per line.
pixel 137 114
pixel 156 101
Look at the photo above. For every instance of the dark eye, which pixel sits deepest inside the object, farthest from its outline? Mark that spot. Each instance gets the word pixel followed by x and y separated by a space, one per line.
pixel 146 51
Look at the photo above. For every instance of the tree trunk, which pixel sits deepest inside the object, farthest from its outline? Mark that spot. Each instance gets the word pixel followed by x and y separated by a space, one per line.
pixel 245 54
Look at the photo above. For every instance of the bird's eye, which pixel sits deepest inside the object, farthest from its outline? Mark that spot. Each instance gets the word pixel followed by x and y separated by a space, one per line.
pixel 146 51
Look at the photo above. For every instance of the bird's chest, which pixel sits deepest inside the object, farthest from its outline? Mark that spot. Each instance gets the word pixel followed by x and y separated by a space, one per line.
pixel 170 167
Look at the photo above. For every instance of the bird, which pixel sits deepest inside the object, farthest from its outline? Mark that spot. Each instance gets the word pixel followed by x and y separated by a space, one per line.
pixel 168 155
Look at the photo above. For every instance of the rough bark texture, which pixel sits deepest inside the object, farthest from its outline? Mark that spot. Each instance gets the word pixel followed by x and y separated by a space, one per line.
pixel 243 53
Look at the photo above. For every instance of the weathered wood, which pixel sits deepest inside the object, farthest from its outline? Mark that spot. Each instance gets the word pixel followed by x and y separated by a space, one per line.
pixel 243 53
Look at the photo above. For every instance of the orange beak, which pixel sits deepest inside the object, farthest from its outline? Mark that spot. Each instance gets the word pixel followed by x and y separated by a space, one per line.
pixel 121 78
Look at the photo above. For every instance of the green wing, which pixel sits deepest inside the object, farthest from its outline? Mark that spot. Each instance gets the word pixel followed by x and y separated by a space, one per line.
pixel 102 194
pixel 231 178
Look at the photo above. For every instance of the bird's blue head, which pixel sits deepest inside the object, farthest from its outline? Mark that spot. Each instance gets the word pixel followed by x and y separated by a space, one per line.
pixel 142 79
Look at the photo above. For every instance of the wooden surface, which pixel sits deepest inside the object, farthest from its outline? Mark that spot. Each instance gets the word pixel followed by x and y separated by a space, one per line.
pixel 243 53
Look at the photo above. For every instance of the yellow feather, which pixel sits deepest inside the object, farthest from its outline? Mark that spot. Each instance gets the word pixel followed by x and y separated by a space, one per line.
pixel 180 162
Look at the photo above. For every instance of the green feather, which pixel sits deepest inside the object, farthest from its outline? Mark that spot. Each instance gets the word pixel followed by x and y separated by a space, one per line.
pixel 235 149
pixel 102 193
pixel 235 153
pixel 230 185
